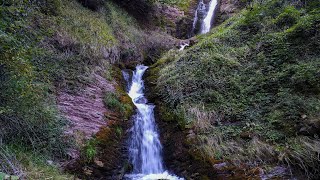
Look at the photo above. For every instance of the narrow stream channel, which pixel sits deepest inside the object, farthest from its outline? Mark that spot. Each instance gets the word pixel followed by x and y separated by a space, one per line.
pixel 145 149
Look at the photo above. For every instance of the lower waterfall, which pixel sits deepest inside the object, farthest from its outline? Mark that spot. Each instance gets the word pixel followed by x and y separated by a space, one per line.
pixel 144 147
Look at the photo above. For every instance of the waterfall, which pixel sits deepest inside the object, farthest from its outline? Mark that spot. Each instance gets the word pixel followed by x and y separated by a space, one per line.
pixel 144 147
pixel 200 9
pixel 203 17
pixel 182 46
pixel 206 24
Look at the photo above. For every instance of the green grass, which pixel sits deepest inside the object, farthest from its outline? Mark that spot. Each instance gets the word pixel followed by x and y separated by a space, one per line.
pixel 258 73
pixel 85 26
pixel 181 4
pixel 29 164
pixel 89 151
pixel 113 102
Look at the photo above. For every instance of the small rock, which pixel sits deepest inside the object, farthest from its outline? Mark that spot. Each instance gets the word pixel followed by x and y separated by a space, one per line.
pixel 220 166
pixel 87 171
pixel 99 163
pixel 246 135
pixel 141 100
pixel 50 162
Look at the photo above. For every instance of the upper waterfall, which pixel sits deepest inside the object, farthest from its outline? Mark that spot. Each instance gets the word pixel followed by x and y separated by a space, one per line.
pixel 207 21
pixel 201 8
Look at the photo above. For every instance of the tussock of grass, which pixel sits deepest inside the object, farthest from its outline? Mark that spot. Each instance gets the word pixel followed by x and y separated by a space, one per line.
pixel 29 165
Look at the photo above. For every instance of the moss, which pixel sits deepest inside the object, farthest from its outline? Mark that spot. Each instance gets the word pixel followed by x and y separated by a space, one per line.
pixel 112 102
pixel 89 151
pixel 127 106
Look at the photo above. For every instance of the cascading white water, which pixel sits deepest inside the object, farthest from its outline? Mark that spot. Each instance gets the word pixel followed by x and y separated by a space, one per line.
pixel 145 147
pixel 206 24
pixel 184 45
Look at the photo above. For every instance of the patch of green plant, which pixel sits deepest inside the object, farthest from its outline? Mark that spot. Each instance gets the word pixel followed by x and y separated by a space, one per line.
pixel 89 151
pixel 28 112
pixel 112 101
pixel 119 131
pixel 181 4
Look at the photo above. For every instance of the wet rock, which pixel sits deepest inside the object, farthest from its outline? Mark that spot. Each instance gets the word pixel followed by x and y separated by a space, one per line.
pixel 246 135
pixel 88 171
pixel 220 166
pixel 167 17
pixel 228 8
pixel 278 172
pixel 98 163
pixel 141 100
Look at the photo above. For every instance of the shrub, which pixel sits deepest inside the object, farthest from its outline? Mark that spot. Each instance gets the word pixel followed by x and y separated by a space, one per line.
pixel 89 151
pixel 112 101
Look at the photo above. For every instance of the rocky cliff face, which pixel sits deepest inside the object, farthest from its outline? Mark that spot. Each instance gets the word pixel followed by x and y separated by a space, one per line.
pixel 228 8
pixel 174 20
pixel 179 23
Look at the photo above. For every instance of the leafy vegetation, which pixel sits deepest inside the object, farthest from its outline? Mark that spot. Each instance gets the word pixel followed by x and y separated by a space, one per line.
pixel 113 102
pixel 28 115
pixel 254 82
pixel 181 4
pixel 90 151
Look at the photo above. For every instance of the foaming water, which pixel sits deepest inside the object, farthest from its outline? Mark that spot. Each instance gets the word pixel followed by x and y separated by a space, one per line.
pixel 165 175
pixel 145 147
pixel 206 24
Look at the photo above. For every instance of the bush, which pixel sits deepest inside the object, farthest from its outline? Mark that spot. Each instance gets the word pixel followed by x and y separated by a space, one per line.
pixel 89 151
pixel 112 101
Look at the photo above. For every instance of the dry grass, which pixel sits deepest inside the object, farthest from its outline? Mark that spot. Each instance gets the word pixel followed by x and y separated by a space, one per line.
pixel 204 121
pixel 9 163
pixel 301 153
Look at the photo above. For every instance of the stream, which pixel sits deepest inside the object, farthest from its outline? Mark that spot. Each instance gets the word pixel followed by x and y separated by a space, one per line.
pixel 145 149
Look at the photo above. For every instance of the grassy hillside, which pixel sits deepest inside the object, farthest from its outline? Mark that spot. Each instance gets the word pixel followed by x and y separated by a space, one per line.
pixel 181 4
pixel 47 46
pixel 250 88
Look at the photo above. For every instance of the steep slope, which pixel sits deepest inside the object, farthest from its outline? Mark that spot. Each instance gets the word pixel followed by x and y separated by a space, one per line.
pixel 248 92
pixel 59 66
